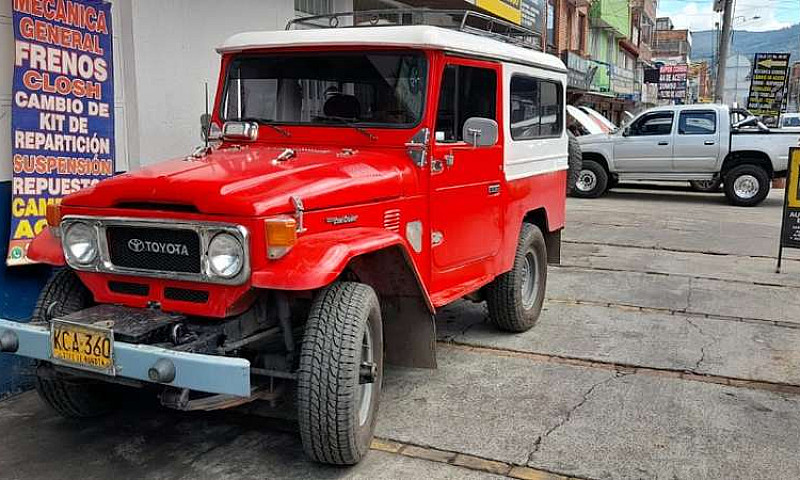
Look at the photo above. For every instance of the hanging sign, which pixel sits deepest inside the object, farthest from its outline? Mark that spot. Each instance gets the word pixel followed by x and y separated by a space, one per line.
pixel 62 111
pixel 790 220
pixel 768 84
pixel 672 82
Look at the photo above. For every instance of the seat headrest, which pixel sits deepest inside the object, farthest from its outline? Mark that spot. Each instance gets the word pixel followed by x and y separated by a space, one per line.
pixel 341 105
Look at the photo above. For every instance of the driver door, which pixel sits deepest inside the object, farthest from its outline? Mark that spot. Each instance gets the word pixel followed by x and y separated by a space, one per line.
pixel 647 146
pixel 466 193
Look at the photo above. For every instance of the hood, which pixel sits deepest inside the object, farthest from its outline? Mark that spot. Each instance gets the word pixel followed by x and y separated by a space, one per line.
pixel 249 181
pixel 595 138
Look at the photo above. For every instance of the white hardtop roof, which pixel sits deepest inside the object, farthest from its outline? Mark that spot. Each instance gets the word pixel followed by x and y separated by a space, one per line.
pixel 413 36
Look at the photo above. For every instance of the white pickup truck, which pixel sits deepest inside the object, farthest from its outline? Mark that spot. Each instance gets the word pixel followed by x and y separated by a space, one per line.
pixel 703 144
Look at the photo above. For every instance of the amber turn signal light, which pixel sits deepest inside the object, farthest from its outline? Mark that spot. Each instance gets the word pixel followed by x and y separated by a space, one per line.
pixel 281 236
pixel 53 215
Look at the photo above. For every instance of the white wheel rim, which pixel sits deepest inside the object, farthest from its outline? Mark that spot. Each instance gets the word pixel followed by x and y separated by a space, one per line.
pixel 746 186
pixel 587 180
pixel 365 390
pixel 530 280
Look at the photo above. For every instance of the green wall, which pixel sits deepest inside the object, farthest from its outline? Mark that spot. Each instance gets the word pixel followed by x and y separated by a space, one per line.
pixel 615 13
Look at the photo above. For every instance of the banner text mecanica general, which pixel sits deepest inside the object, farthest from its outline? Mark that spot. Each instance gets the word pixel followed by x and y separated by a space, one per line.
pixel 62 125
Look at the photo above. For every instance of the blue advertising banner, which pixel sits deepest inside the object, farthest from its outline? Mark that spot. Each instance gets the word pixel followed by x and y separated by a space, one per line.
pixel 62 112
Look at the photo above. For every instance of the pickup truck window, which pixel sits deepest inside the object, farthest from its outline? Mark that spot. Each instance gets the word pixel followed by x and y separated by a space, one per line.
pixel 536 108
pixel 466 92
pixel 657 123
pixel 370 89
pixel 697 123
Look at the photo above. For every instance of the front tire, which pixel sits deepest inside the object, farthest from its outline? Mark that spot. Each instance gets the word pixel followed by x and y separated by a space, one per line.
pixel 592 180
pixel 71 397
pixel 746 185
pixel 515 298
pixel 342 348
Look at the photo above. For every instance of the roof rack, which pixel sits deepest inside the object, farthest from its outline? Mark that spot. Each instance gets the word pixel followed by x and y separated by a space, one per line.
pixel 462 20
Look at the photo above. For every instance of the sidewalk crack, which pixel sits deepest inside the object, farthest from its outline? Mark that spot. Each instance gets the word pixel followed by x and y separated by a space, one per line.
pixel 709 341
pixel 537 444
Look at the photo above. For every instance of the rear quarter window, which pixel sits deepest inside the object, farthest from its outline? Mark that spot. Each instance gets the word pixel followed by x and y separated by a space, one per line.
pixel 537 108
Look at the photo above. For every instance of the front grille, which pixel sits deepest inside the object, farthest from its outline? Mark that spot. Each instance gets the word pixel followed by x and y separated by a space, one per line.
pixel 157 249
pixel 186 295
pixel 128 288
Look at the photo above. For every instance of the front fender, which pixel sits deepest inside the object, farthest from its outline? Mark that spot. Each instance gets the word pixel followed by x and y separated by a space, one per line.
pixel 46 248
pixel 318 259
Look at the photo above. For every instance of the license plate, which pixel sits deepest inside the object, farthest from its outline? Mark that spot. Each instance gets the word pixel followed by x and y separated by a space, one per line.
pixel 82 346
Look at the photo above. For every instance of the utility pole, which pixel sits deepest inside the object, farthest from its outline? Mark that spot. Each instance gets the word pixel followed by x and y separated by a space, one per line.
pixel 724 45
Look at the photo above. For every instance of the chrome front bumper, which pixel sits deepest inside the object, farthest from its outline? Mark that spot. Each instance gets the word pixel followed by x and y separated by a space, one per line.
pixel 203 373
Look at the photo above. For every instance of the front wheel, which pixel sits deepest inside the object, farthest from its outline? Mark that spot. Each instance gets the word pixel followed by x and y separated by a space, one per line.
pixel 515 298
pixel 340 375
pixel 71 397
pixel 592 180
pixel 746 185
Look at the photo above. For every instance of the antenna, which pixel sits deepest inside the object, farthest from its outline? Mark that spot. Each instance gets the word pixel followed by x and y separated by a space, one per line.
pixel 208 119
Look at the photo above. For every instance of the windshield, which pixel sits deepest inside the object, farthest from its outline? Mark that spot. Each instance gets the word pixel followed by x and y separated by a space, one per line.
pixel 369 89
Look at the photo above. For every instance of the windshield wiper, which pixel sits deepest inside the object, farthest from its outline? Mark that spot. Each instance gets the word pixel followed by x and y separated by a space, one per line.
pixel 263 121
pixel 345 121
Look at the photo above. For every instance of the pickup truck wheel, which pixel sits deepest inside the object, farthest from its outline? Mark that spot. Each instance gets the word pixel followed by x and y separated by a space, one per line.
pixel 706 186
pixel 340 374
pixel 574 162
pixel 515 298
pixel 592 180
pixel 746 185
pixel 71 397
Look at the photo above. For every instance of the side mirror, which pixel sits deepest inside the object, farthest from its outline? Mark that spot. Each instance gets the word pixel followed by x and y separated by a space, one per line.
pixel 480 132
pixel 626 131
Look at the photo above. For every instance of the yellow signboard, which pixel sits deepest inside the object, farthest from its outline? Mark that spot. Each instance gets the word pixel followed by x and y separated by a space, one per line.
pixel 790 224
pixel 508 9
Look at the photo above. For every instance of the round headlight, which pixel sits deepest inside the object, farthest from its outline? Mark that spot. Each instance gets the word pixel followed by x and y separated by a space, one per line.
pixel 81 243
pixel 225 255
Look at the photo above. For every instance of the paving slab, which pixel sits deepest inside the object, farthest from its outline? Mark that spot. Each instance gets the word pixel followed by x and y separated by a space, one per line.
pixel 676 293
pixel 648 428
pixel 487 406
pixel 709 346
pixel 152 443
pixel 720 267
pixel 676 220
pixel 626 288
pixel 581 422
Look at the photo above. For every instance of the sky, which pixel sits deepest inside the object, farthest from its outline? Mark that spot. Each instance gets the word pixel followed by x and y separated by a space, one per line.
pixel 700 15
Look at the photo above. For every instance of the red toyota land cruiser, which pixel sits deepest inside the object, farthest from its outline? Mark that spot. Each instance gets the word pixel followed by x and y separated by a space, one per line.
pixel 358 180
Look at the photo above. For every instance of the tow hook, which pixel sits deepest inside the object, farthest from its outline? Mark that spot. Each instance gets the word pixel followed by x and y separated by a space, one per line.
pixel 368 372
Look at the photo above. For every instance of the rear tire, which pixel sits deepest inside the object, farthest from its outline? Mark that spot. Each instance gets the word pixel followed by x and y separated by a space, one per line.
pixel 515 298
pixel 592 181
pixel 575 163
pixel 343 331
pixel 746 185
pixel 71 397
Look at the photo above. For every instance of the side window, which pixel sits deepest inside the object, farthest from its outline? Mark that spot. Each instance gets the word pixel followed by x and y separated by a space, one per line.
pixel 659 123
pixel 697 123
pixel 465 92
pixel 536 108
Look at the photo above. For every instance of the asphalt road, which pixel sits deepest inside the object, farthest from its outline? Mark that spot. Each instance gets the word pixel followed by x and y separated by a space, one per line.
pixel 668 349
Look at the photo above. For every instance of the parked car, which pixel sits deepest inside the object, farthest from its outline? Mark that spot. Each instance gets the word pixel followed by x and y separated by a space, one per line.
pixel 688 143
pixel 359 180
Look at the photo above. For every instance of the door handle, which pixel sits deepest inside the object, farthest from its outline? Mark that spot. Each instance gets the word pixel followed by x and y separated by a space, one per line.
pixel 663 143
pixel 709 142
